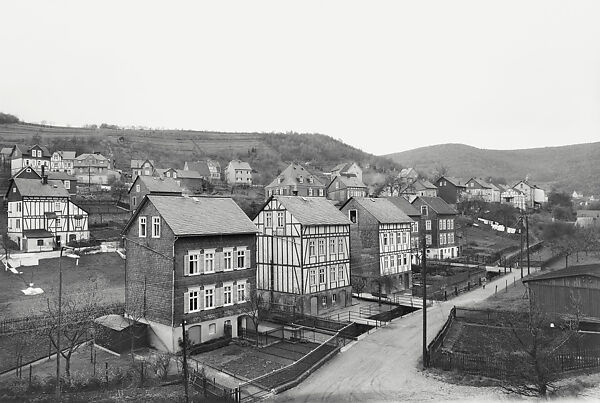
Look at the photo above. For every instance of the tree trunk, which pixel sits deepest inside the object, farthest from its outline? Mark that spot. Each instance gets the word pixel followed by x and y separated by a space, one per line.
pixel 68 365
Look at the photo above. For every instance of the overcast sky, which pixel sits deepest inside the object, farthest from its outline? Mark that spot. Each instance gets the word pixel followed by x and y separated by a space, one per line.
pixel 382 76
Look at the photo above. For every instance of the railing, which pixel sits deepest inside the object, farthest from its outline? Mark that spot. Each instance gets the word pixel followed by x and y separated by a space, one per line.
pixel 438 340
pixel 213 391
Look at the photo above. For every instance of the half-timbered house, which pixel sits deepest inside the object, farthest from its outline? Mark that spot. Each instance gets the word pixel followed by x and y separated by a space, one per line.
pixel 303 254
pixel 41 215
pixel 192 259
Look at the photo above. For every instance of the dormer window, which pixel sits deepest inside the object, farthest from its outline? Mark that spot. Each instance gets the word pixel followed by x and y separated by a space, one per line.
pixel 310 179
pixel 300 179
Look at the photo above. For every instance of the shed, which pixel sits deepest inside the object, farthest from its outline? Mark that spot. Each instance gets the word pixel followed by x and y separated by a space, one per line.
pixel 114 332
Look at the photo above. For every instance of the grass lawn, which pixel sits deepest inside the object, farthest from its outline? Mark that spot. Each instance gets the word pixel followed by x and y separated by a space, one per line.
pixel 107 269
pixel 486 240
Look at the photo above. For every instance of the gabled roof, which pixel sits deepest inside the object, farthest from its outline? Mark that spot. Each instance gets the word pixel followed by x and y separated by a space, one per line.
pixel 189 216
pixel 237 164
pixel 573 271
pixel 350 181
pixel 158 185
pixel 480 182
pixel 312 210
pixel 85 155
pixel 343 167
pixel 408 172
pixel 66 155
pixel 405 206
pixel 291 176
pixel 437 204
pixel 199 166
pixel 63 176
pixel 458 182
pixel 422 184
pixel 35 187
pixel 31 171
pixel 183 174
pixel 24 150
pixel 6 150
pixel 139 163
pixel 383 210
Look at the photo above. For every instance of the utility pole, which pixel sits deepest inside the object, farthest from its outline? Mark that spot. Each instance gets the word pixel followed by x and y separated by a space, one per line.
pixel 185 367
pixel 59 326
pixel 424 280
pixel 521 250
pixel 527 237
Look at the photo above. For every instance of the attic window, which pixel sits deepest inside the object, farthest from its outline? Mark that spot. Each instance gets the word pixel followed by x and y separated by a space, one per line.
pixel 28 170
pixel 424 210
pixel 353 215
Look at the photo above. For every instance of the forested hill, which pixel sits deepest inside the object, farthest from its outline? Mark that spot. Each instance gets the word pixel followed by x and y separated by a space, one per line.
pixel 267 153
pixel 565 168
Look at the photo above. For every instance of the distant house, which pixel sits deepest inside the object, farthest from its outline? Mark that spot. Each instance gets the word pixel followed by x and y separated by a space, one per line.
pixel 343 187
pixel 534 195
pixel 408 175
pixel 92 169
pixel 144 185
pixel 415 215
pixel 438 217
pixel 451 189
pixel 5 155
pixel 295 180
pixel 478 188
pixel 199 166
pixel 303 254
pixel 419 187
pixel 347 169
pixel 141 168
pixel 35 156
pixel 192 259
pixel 191 182
pixel 238 173
pixel 381 244
pixel 41 215
pixel 63 161
pixel 68 181
pixel 514 197
pixel 573 292
pixel 588 218
pixel 576 195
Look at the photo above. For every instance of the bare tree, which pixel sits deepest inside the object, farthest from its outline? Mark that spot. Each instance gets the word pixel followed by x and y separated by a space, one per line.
pixel 358 284
pixel 382 283
pixel 256 306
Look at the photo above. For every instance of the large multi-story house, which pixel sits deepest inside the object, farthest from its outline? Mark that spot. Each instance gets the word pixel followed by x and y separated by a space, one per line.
pixel 415 215
pixel 141 168
pixel 295 180
pixel 63 161
pixel 92 169
pixel 534 196
pixel 35 156
pixel 343 187
pixel 41 215
pixel 151 185
pixel 238 173
pixel 189 259
pixel 381 244
pixel 451 189
pixel 303 254
pixel 437 222
pixel 347 169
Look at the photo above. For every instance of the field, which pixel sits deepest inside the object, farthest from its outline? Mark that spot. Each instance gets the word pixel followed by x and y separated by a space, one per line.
pixel 105 269
pixel 486 241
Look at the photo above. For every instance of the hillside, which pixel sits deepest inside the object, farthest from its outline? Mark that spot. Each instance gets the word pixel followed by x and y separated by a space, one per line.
pixel 267 153
pixel 565 168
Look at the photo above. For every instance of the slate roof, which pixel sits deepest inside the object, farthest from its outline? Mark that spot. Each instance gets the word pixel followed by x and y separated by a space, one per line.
pixel 63 176
pixel 188 216
pixel 35 187
pixel 292 173
pixel 573 271
pixel 159 185
pixel 38 233
pixel 422 184
pixel 85 155
pixel 6 150
pixel 201 167
pixel 237 164
pixel 67 155
pixel 405 206
pixel 138 163
pixel 313 210
pixel 383 210
pixel 24 150
pixel 459 182
pixel 437 204
pixel 188 174
pixel 351 181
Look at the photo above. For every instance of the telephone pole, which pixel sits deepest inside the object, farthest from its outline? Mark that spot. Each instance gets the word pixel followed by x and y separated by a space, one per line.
pixel 185 368
pixel 521 240
pixel 527 237
pixel 424 280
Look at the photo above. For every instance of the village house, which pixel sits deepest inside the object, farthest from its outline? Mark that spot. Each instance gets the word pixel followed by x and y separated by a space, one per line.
pixel 63 161
pixel 343 187
pixel 478 188
pixel 295 180
pixel 5 155
pixel 451 189
pixel 35 156
pixel 514 197
pixel 192 259
pixel 303 254
pixel 68 181
pixel 587 218
pixel 209 169
pixel 534 196
pixel 437 221
pixel 381 244
pixel 408 175
pixel 415 215
pixel 141 168
pixel 92 169
pixel 238 173
pixel 419 187
pixel 190 182
pixel 347 169
pixel 144 185
pixel 41 215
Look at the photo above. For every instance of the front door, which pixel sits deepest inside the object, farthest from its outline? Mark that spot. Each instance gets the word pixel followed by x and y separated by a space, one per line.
pixel 313 306
pixel 343 298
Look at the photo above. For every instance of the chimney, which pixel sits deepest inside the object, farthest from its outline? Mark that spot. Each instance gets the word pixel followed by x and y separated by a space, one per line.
pixel 44 176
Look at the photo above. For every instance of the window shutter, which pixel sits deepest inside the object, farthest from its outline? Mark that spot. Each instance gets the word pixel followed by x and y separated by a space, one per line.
pixel 247 291
pixel 201 262
pixel 201 296
pixel 219 296
pixel 186 265
pixel 234 292
pixel 186 302
pixel 247 258
pixel 219 261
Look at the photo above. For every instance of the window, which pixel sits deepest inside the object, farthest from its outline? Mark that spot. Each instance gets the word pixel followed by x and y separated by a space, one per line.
pixel 415 227
pixel 280 219
pixel 399 260
pixel 268 219
pixel 212 328
pixel 332 272
pixel 385 239
pixel 241 258
pixel 450 238
pixel 341 272
pixel 300 179
pixel 209 261
pixel 209 297
pixel 137 188
pixel 310 191
pixel 155 227
pixel 321 247
pixel 311 248
pixel 142 227
pixel 174 174
pixel 324 300
pixel 67 184
pixel 441 224
pixel 341 245
pixel 57 206
pixel 78 222
pixel 40 242
pixel 194 301
pixel 19 207
pixel 424 210
pixel 428 239
pixel 405 258
pixel 227 294
pixel 353 215
pixel 193 262
pixel 392 262
pixel 313 277
pixel 451 223
pixel 444 239
pixel 228 260
pixel 321 275
pixel 386 263
pixel 241 292
pixel 332 246
pixel 134 201
pixel 18 223
pixel 58 223
pixel 333 298
pixel 405 238
pixel 441 239
pixel 428 225
pixel 321 192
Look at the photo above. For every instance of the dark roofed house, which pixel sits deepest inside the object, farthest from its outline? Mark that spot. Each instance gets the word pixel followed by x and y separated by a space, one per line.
pixel 347 169
pixel 451 189
pixel 296 180
pixel 381 244
pixel 343 187
pixel 144 185
pixel 199 166
pixel 34 156
pixel 304 253
pixel 198 254
pixel 438 217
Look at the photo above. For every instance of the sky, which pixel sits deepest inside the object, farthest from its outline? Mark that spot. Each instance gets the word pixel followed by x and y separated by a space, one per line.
pixel 383 76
